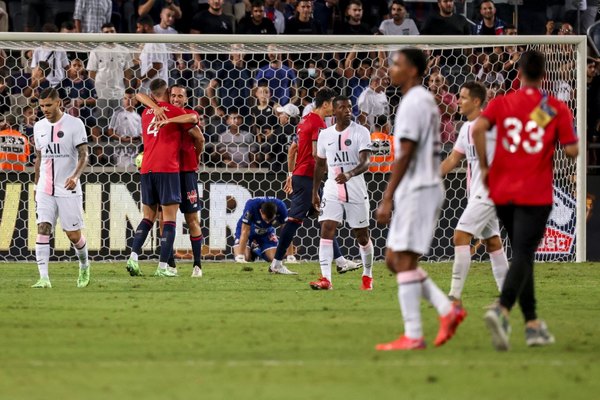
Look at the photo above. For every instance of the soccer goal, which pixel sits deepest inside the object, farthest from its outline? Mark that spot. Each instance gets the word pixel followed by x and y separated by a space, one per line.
pixel 237 84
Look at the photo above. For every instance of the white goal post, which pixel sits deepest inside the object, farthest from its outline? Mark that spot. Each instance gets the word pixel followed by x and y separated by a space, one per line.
pixel 260 45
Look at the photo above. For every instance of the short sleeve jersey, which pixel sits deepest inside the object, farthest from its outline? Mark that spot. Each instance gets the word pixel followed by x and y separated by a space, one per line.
pixel 342 151
pixel 465 145
pixel 418 120
pixel 307 133
pixel 251 216
pixel 58 142
pixel 161 146
pixel 521 173
pixel 189 159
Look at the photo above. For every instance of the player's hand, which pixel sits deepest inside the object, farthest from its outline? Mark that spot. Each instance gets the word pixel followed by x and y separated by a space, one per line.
pixel 240 258
pixel 384 212
pixel 159 115
pixel 342 178
pixel 316 201
pixel 287 188
pixel 71 183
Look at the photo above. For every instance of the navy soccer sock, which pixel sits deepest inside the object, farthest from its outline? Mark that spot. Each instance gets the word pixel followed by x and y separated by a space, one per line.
pixel 287 237
pixel 166 241
pixel 337 253
pixel 141 233
pixel 197 249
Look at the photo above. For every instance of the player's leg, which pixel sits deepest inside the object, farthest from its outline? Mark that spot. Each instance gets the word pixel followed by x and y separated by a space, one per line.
pixel 498 259
pixel 150 212
pixel 266 245
pixel 461 265
pixel 190 207
pixel 46 212
pixel 167 239
pixel 357 216
pixel 193 221
pixel 331 214
pixel 70 211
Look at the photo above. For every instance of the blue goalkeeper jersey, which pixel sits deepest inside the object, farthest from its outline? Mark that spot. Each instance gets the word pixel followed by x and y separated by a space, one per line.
pixel 251 216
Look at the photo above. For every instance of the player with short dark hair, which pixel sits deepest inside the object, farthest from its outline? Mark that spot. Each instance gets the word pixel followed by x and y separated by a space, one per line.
pixel 415 192
pixel 300 182
pixel 159 177
pixel 529 123
pixel 255 232
pixel 479 218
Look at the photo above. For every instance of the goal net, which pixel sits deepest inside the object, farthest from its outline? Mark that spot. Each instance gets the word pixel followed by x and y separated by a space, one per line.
pixel 247 90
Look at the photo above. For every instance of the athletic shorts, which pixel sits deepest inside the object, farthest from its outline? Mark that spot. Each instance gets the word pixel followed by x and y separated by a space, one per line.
pixel 480 220
pixel 357 214
pixel 161 188
pixel 69 209
pixel 414 219
pixel 190 197
pixel 301 198
pixel 263 242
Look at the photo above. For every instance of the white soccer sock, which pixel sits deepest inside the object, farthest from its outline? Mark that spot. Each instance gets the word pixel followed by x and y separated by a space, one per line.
pixel 409 296
pixel 341 261
pixel 162 265
pixel 42 254
pixel 133 256
pixel 460 269
pixel 81 250
pixel 325 257
pixel 366 255
pixel 499 267
pixel 433 294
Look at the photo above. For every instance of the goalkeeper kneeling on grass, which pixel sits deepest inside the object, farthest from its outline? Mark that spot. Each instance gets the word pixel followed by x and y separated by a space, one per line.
pixel 255 236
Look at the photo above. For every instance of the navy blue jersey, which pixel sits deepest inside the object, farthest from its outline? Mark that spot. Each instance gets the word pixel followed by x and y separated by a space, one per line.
pixel 251 216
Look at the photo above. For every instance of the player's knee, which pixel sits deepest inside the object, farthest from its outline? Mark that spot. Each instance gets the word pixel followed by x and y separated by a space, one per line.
pixel 461 238
pixel 390 261
pixel 493 244
pixel 74 236
pixel 44 228
pixel 362 236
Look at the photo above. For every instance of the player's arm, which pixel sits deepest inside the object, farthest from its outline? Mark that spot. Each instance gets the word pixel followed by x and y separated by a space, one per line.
pixel 36 166
pixel 240 250
pixel 451 162
pixel 198 137
pixel 146 100
pixel 571 150
pixel 82 160
pixel 291 158
pixel 481 126
pixel 399 168
pixel 191 118
pixel 361 168
pixel 320 166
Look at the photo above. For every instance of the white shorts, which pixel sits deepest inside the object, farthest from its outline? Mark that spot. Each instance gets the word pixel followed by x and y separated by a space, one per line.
pixel 68 209
pixel 414 220
pixel 480 220
pixel 357 214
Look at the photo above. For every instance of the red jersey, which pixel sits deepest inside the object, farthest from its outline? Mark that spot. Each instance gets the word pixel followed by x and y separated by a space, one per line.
pixel 161 146
pixel 521 172
pixel 307 133
pixel 188 158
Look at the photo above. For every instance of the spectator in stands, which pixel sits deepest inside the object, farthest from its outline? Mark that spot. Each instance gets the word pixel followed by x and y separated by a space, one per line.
pixel 510 30
pixel 14 146
pixel 38 13
pixel 125 127
pixel 57 60
pixel 109 66
pixel 447 103
pixel 359 80
pixel 593 109
pixel 565 29
pixel 398 24
pixel 256 23
pixel 233 150
pixel 37 81
pixel 489 24
pixel 352 22
pixel 231 86
pixel 213 20
pixel 288 8
pixel 323 13
pixel 90 15
pixel 373 102
pixel 303 23
pixel 446 22
pixel 281 79
pixel 262 119
pixel 154 58
pixel 5 97
pixel 375 11
pixel 167 19
pixel 491 70
pixel 282 137
pixel 153 8
pixel 275 16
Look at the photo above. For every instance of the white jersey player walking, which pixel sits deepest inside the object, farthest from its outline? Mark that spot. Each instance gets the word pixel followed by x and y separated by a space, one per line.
pixel 415 193
pixel 479 218
pixel 61 155
pixel 345 149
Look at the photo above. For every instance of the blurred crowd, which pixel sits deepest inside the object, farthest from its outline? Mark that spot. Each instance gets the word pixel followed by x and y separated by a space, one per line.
pixel 250 104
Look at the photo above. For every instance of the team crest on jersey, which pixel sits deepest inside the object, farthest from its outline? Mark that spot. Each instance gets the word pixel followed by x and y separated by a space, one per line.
pixel 60 134
pixel 348 142
pixel 192 196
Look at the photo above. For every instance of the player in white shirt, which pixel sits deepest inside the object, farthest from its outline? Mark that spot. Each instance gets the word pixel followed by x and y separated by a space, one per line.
pixel 415 193
pixel 345 150
pixel 61 155
pixel 479 219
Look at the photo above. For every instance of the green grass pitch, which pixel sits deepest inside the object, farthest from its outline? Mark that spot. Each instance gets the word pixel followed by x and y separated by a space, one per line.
pixel 249 335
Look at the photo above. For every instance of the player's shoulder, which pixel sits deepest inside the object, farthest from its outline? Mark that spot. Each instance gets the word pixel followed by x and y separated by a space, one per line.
pixel 417 97
pixel 360 129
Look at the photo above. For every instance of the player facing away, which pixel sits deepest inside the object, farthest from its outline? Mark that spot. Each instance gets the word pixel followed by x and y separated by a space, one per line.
pixel 61 155
pixel 344 149
pixel 192 147
pixel 415 193
pixel 255 232
pixel 300 181
pixel 529 123
pixel 159 178
pixel 479 218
